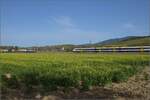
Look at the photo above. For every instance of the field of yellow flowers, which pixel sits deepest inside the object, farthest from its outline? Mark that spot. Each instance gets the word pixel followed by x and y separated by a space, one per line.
pixel 50 71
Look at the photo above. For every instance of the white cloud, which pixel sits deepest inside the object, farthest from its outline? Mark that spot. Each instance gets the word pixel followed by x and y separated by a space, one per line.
pixel 129 26
pixel 69 31
pixel 66 24
pixel 64 21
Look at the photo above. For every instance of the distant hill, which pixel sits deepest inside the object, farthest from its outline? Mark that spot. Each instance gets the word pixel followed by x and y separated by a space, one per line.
pixel 126 41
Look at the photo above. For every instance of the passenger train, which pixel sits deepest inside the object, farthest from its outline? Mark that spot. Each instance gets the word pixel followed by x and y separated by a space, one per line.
pixel 114 49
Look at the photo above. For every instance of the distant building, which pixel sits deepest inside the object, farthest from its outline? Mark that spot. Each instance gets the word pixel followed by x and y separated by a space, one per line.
pixel 26 50
pixel 13 50
pixel 62 48
pixel 18 50
pixel 3 50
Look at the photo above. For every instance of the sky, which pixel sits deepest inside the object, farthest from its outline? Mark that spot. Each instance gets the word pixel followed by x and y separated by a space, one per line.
pixel 51 22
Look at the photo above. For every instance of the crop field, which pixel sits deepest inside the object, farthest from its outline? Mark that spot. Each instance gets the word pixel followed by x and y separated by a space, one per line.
pixel 50 71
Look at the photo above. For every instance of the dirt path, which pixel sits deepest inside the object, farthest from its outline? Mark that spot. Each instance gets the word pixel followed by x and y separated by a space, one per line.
pixel 137 86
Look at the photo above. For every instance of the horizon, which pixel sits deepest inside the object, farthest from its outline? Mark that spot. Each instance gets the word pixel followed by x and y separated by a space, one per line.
pixel 72 44
pixel 40 23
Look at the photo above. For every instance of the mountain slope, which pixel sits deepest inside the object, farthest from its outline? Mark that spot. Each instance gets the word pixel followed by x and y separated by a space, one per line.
pixel 126 41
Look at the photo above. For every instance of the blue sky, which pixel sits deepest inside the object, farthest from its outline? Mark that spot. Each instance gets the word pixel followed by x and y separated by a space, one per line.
pixel 50 22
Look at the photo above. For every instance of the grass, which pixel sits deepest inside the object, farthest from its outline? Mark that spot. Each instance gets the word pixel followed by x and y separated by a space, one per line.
pixel 50 71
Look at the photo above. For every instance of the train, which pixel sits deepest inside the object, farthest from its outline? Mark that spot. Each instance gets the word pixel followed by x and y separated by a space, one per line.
pixel 114 49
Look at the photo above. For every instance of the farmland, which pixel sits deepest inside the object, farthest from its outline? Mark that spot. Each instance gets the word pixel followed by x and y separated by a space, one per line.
pixel 51 71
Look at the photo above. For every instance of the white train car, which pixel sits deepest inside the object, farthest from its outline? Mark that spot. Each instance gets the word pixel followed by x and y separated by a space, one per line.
pixel 114 49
